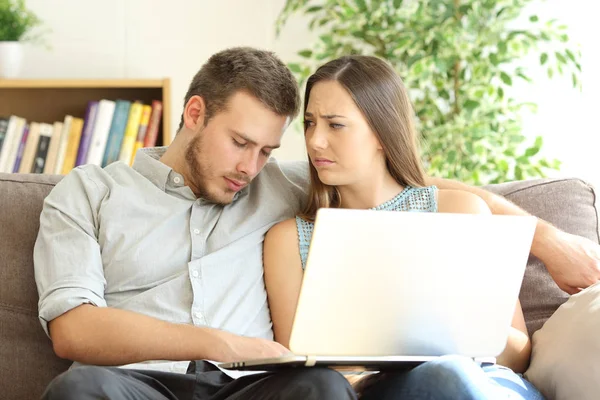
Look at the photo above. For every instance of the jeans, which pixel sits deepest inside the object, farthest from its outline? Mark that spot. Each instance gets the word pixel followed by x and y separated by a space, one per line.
pixel 451 378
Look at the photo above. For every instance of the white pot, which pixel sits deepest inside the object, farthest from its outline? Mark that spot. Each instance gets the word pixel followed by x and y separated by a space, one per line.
pixel 11 56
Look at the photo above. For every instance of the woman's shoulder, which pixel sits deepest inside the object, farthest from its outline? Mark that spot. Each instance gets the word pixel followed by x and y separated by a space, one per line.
pixel 460 201
pixel 283 229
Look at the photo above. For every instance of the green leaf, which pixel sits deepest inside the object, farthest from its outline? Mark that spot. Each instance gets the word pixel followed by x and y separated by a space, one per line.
pixel 524 77
pixel 494 59
pixel 505 78
pixel 534 18
pixel 500 93
pixel 503 165
pixel 451 157
pixel 560 58
pixel 470 105
pixel 361 4
pixel 295 68
pixel 313 9
pixel 305 53
pixel 532 151
pixel 397 3
pixel 570 54
pixel 543 58
pixel 518 173
pixel 550 73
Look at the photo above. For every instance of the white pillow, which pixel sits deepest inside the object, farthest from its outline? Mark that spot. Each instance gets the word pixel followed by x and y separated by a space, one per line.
pixel 565 361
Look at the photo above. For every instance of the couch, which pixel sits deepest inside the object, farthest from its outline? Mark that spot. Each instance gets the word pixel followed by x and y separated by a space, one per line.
pixel 28 364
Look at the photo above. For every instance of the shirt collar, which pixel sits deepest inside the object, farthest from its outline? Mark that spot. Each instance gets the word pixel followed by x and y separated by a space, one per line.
pixel 147 162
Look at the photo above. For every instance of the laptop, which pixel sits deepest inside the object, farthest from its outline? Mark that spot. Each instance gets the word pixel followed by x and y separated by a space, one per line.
pixel 391 290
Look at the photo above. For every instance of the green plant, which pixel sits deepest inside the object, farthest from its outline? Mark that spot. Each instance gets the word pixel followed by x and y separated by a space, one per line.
pixel 458 58
pixel 17 23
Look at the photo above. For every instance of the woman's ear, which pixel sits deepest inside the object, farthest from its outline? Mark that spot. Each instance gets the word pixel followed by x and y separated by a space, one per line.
pixel 194 113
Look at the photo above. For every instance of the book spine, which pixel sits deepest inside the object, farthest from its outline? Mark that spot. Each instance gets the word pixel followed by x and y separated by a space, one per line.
pixel 154 124
pixel 86 133
pixel 117 130
pixel 21 149
pixel 42 149
pixel 133 124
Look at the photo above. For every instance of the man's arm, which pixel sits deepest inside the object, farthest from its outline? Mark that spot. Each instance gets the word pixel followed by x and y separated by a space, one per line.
pixel 70 279
pixel 573 261
pixel 109 336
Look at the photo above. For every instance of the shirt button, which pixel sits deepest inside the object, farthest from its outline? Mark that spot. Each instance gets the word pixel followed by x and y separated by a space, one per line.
pixel 197 231
pixel 195 274
pixel 177 179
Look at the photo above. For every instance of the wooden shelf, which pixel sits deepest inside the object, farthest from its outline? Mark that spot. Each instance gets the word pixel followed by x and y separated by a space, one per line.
pixel 49 100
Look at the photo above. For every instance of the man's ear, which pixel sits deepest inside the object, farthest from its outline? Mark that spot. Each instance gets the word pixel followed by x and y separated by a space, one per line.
pixel 194 113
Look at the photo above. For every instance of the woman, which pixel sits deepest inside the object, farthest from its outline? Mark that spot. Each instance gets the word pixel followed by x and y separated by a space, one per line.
pixel 363 152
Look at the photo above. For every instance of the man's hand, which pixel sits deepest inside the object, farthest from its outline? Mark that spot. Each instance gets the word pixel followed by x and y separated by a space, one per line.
pixel 573 261
pixel 236 348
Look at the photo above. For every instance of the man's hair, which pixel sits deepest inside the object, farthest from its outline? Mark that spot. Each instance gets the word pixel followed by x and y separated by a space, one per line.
pixel 259 73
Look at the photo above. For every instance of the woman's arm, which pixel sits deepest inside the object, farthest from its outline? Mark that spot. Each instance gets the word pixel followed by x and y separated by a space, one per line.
pixel 283 276
pixel 518 347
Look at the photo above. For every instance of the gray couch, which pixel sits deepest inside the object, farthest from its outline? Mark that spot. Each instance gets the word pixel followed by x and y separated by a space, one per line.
pixel 27 362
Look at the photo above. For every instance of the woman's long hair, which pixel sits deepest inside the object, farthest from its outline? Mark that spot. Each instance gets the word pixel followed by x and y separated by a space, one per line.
pixel 383 100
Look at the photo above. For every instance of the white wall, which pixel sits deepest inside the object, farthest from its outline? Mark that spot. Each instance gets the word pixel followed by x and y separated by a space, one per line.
pixel 158 38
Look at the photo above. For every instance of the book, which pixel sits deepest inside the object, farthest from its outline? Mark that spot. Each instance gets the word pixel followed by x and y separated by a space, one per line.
pixel 21 149
pixel 133 124
pixel 30 148
pixel 104 117
pixel 154 124
pixel 139 141
pixel 11 144
pixel 86 133
pixel 73 146
pixel 64 142
pixel 39 161
pixel 3 129
pixel 53 148
pixel 117 131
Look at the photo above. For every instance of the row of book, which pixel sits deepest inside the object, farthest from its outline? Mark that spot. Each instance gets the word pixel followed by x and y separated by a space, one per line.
pixel 110 131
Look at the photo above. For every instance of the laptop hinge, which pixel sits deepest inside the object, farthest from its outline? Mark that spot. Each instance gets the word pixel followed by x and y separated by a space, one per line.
pixel 311 361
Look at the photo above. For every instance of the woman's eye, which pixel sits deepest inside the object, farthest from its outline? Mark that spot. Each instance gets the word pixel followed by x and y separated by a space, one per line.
pixel 336 126
pixel 307 123
pixel 266 153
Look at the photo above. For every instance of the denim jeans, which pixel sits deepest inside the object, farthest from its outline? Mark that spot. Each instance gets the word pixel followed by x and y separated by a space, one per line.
pixel 451 378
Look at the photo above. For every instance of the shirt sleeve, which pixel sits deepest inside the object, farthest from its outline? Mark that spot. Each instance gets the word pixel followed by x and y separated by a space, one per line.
pixel 67 258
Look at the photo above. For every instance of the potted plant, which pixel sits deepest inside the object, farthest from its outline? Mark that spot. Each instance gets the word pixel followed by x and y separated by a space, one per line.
pixel 17 25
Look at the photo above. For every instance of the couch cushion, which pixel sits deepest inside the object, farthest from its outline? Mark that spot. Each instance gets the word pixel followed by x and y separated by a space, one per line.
pixel 569 204
pixel 27 362
pixel 570 370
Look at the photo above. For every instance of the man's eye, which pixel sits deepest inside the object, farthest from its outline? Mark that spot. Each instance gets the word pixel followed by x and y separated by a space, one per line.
pixel 238 144
pixel 266 153
pixel 308 123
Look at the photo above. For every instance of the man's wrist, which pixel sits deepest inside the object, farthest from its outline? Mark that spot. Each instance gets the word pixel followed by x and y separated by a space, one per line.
pixel 545 240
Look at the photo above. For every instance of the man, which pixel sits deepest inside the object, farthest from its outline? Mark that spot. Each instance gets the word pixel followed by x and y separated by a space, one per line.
pixel 163 261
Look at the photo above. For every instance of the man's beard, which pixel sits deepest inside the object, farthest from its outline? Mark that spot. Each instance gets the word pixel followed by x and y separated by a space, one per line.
pixel 201 172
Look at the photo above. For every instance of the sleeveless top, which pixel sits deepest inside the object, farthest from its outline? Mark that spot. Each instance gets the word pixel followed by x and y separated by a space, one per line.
pixel 410 199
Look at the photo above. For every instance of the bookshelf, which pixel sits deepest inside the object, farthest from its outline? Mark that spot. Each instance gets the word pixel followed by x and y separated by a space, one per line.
pixel 49 100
